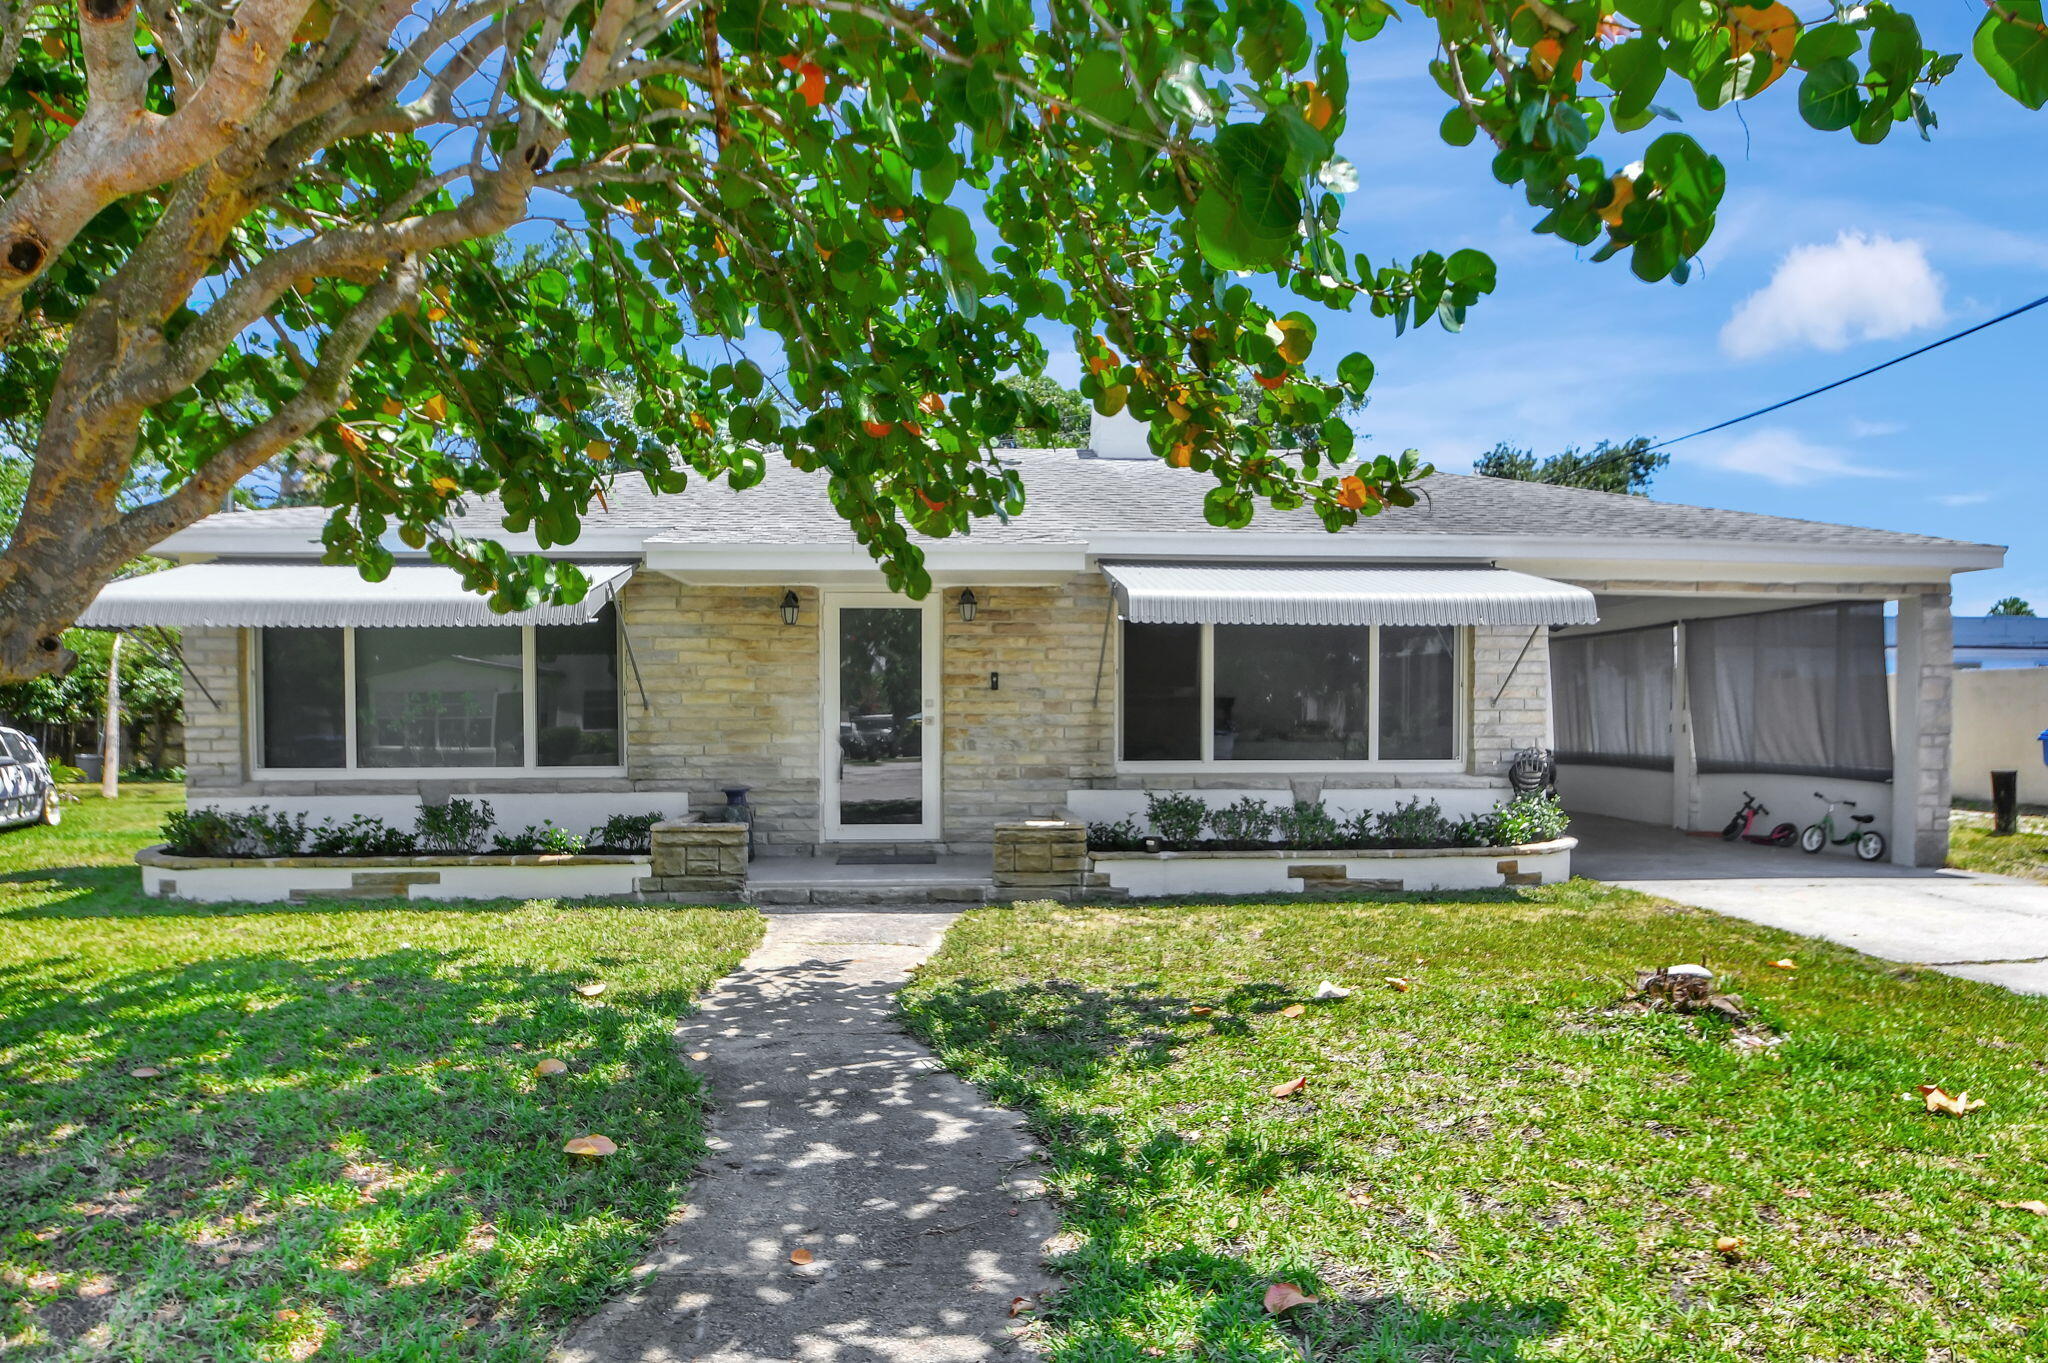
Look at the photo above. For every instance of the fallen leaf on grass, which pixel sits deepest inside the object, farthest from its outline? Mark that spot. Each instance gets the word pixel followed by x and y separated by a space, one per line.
pixel 1290 1088
pixel 1786 964
pixel 2034 1205
pixel 590 991
pixel 1398 985
pixel 1730 1246
pixel 593 1146
pixel 1200 1010
pixel 1019 1305
pixel 700 1055
pixel 145 1072
pixel 1330 990
pixel 800 1256
pixel 1955 1104
pixel 1285 1297
pixel 1798 1193
pixel 548 1067
pixel 1294 1010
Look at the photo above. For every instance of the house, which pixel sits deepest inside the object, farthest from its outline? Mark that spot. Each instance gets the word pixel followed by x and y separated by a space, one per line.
pixel 1106 643
pixel 1996 641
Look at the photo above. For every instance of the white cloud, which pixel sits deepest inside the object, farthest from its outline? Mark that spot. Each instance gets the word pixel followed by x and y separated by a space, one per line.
pixel 1870 430
pixel 1963 498
pixel 1858 289
pixel 1785 457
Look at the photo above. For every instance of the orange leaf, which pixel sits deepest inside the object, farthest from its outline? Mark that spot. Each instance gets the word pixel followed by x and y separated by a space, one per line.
pixel 596 1147
pixel 1285 1297
pixel 702 423
pixel 800 1256
pixel 789 61
pixel 1730 1245
pixel 1181 456
pixel 350 440
pixel 436 408
pixel 811 83
pixel 912 428
pixel 550 1066
pixel 1019 1305
pixel 1956 1104
pixel 1351 492
pixel 1294 1010
pixel 446 486
pixel 932 404
pixel 145 1072
pixel 598 450
pixel 1269 384
pixel 2034 1205
pixel 62 115
pixel 590 991
pixel 1398 985
pixel 1787 964
pixel 1290 1088
pixel 469 344
pixel 1774 29
pixel 392 407
pixel 1200 1010
pixel 877 429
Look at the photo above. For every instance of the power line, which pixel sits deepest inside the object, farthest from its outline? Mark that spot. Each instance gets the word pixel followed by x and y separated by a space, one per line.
pixel 1860 374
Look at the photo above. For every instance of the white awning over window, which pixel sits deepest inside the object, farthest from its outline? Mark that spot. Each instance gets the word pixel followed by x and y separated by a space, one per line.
pixel 1342 594
pixel 233 595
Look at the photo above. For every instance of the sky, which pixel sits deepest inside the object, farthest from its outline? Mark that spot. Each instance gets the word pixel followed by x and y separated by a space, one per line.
pixel 1829 256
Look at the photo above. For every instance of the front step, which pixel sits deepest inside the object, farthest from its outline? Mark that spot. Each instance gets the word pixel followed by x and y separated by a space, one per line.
pixel 870 893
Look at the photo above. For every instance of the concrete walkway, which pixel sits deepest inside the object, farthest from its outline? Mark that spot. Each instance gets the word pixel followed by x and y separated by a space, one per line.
pixel 1981 927
pixel 836 1134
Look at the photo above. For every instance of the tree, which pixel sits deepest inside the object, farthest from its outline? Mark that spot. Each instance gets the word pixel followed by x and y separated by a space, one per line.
pixel 66 712
pixel 229 228
pixel 1049 414
pixel 1627 467
pixel 2012 605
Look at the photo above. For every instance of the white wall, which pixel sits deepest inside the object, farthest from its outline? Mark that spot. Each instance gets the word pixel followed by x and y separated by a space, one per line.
pixel 1998 716
pixel 1619 792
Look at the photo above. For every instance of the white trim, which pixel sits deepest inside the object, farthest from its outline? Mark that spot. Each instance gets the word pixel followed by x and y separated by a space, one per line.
pixel 1210 765
pixel 931 730
pixel 352 771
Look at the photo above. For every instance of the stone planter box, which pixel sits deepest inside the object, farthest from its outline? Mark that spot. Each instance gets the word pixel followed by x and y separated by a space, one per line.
pixel 1153 874
pixel 274 879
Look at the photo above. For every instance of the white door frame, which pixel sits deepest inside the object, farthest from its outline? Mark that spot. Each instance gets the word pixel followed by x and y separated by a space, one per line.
pixel 931 737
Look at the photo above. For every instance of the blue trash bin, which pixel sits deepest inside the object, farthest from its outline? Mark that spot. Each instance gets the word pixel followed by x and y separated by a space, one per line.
pixel 2044 747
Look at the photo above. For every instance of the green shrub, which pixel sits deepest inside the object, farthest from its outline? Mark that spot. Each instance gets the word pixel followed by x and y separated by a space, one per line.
pixel 1413 824
pixel 1124 835
pixel 1305 824
pixel 363 836
pixel 632 834
pixel 1177 816
pixel 1247 820
pixel 211 832
pixel 537 839
pixel 458 826
pixel 1534 817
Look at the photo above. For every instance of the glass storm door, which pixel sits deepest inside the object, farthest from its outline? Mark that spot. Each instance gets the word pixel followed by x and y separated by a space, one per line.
pixel 881 758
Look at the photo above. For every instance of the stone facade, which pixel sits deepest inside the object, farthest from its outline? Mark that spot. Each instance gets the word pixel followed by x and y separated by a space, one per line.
pixel 698 859
pixel 1043 856
pixel 1510 703
pixel 1923 714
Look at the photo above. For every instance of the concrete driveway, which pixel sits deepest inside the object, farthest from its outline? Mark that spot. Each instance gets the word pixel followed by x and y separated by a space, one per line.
pixel 1980 927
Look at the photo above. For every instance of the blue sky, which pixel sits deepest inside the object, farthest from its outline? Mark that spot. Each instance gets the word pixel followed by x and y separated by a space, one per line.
pixel 1829 256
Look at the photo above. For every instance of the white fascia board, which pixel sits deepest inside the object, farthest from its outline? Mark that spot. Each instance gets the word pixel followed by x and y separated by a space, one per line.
pixel 834 563
pixel 1649 557
pixel 215 539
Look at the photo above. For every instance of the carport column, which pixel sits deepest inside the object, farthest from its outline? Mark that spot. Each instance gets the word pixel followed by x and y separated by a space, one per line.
pixel 1685 771
pixel 1920 730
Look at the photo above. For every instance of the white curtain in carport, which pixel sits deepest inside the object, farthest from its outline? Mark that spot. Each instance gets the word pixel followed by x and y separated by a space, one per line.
pixel 1613 697
pixel 1799 692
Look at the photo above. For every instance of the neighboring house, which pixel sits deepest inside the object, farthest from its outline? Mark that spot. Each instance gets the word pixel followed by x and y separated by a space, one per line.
pixel 1995 641
pixel 1106 642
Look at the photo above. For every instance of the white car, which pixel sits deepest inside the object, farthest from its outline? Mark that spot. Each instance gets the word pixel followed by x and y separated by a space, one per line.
pixel 28 793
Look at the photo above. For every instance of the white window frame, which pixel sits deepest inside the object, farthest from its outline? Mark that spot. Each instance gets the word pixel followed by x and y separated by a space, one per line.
pixel 1209 764
pixel 931 720
pixel 528 770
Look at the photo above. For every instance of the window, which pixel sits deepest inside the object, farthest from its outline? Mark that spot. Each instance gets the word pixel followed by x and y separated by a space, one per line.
pixel 420 699
pixel 1289 694
pixel 1796 692
pixel 1611 694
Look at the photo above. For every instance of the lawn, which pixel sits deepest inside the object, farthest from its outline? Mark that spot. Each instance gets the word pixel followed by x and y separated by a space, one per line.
pixel 1498 1163
pixel 1974 847
pixel 344 1151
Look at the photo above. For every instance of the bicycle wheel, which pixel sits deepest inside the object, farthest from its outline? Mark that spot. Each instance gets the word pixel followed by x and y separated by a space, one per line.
pixel 1870 846
pixel 1813 838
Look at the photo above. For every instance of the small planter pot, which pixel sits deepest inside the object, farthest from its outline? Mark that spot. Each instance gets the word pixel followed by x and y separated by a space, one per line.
pixel 580 875
pixel 1146 875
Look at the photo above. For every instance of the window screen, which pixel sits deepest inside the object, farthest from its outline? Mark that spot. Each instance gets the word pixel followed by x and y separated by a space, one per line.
pixel 1292 693
pixel 1798 692
pixel 304 700
pixel 440 697
pixel 1612 697
pixel 1162 700
pixel 576 671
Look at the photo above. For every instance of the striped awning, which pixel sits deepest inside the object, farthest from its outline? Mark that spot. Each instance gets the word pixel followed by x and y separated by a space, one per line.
pixel 1214 593
pixel 235 595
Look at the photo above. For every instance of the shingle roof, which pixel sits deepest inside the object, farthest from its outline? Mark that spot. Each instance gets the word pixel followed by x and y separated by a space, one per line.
pixel 1073 500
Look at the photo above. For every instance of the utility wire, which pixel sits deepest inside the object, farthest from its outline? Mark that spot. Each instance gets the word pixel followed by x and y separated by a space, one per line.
pixel 1860 374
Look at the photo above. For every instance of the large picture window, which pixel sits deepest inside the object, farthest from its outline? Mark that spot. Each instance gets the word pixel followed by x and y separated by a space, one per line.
pixel 1289 695
pixel 418 699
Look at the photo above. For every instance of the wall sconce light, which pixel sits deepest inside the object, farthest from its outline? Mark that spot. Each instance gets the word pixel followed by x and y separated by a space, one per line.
pixel 968 605
pixel 789 608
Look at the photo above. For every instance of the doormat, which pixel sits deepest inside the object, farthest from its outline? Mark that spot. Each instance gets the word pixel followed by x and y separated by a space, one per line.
pixel 888 858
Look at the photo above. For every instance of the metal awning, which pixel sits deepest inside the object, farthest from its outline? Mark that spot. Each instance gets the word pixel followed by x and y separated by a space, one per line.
pixel 233 595
pixel 1215 593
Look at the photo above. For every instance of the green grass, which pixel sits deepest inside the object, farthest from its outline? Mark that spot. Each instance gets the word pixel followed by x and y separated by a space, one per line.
pixel 1972 846
pixel 346 1155
pixel 1498 1164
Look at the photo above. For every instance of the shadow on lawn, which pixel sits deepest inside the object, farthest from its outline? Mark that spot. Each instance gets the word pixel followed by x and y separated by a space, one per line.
pixel 1040 1046
pixel 320 1126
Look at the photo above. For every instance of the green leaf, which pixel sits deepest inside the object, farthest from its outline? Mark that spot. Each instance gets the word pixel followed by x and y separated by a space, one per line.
pixel 1830 96
pixel 2014 51
pixel 1355 371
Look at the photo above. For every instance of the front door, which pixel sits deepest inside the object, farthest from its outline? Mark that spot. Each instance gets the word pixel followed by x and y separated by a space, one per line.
pixel 881 741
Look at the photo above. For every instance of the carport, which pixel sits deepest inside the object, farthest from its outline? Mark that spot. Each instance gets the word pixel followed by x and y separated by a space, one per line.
pixel 1681 700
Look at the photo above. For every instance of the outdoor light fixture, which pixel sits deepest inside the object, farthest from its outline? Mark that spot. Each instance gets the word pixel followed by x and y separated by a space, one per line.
pixel 789 608
pixel 968 605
